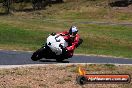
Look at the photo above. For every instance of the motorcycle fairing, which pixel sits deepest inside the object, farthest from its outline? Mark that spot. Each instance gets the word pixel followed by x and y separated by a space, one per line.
pixel 54 42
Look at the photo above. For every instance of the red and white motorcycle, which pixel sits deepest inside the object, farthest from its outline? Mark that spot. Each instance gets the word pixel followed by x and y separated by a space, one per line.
pixel 53 49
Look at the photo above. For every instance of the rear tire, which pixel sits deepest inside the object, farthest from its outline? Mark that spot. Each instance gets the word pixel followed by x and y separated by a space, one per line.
pixel 37 55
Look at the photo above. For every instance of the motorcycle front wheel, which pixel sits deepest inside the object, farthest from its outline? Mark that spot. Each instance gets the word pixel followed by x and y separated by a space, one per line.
pixel 38 54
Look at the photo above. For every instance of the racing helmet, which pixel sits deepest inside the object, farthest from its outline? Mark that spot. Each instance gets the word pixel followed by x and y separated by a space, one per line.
pixel 73 30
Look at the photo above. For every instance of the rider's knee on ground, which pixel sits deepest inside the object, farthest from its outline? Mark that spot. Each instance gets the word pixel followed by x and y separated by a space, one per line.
pixel 69 55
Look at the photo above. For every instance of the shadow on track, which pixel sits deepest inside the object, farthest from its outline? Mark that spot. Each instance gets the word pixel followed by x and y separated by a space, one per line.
pixel 53 61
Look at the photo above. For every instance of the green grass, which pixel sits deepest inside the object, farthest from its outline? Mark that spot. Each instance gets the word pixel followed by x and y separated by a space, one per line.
pixel 20 37
pixel 108 40
pixel 98 39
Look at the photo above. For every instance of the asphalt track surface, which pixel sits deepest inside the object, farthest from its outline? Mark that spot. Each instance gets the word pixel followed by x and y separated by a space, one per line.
pixel 23 58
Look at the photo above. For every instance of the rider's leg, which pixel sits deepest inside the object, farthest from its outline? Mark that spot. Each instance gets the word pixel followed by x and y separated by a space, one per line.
pixel 66 53
pixel 80 42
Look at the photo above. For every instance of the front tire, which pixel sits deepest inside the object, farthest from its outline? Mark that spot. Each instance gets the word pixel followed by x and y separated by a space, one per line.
pixel 37 55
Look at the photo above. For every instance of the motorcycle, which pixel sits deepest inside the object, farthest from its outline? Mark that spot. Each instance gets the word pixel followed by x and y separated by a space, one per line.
pixel 55 48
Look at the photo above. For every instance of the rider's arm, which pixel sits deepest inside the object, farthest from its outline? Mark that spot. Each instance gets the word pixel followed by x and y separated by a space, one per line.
pixel 63 33
pixel 74 44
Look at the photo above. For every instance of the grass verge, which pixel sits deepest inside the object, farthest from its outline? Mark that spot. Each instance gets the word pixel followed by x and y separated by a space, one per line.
pixel 98 39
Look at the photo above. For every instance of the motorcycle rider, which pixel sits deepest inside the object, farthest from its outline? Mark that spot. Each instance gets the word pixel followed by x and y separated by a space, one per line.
pixel 73 39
